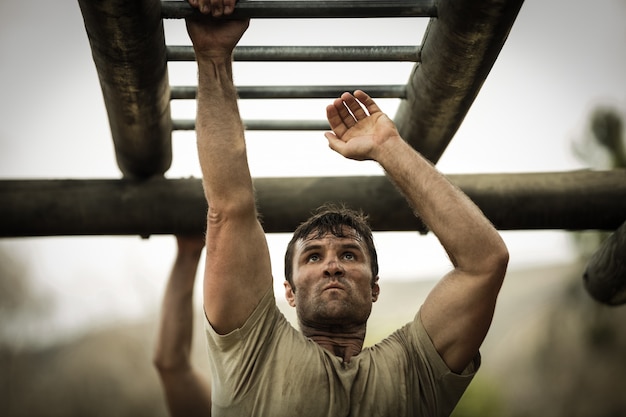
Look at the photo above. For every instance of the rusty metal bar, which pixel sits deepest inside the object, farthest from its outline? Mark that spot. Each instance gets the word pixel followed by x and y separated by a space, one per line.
pixel 297 91
pixel 176 53
pixel 459 49
pixel 312 9
pixel 128 49
pixel 576 200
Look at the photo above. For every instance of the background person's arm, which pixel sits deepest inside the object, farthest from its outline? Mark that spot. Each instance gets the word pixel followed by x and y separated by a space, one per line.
pixel 187 393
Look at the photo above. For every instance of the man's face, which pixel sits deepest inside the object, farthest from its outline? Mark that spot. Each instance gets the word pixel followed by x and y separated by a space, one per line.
pixel 332 280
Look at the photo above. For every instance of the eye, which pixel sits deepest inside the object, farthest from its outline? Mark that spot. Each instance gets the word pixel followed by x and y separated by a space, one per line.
pixel 314 257
pixel 349 256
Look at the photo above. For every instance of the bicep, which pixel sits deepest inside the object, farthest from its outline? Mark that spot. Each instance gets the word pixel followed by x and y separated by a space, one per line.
pixel 457 314
pixel 237 271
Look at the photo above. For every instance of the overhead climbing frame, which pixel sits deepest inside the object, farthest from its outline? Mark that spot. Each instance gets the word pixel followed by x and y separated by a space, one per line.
pixel 461 43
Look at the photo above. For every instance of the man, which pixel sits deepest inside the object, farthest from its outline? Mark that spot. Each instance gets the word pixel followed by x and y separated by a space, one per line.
pixel 187 393
pixel 261 366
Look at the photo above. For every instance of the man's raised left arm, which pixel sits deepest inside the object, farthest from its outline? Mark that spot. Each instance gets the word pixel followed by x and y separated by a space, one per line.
pixel 459 310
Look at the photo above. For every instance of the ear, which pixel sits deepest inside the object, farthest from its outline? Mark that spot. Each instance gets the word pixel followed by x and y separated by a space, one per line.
pixel 375 290
pixel 289 294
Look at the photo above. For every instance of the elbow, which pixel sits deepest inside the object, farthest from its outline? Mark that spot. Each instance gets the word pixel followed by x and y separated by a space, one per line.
pixel 498 261
pixel 168 365
pixel 168 368
pixel 490 263
pixel 159 362
pixel 503 255
pixel 488 260
pixel 235 208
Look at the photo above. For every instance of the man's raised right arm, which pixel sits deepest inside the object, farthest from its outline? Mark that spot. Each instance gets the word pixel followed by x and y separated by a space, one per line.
pixel 238 271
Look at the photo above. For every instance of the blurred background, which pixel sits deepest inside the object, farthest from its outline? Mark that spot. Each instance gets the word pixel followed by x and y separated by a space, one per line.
pixel 78 315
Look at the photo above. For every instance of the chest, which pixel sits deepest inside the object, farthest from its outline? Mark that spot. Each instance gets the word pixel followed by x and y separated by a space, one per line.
pixel 310 384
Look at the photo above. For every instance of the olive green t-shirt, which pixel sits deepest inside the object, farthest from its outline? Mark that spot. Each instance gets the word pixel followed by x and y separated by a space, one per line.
pixel 267 368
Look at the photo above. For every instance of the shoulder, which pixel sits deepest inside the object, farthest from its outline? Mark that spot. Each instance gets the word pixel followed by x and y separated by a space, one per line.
pixel 412 346
pixel 264 314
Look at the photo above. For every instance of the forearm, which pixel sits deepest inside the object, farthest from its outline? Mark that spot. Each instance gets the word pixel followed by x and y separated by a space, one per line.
pixel 187 394
pixel 220 133
pixel 470 240
pixel 176 326
pixel 458 311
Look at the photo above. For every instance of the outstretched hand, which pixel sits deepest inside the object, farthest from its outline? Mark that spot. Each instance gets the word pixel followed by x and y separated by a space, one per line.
pixel 359 127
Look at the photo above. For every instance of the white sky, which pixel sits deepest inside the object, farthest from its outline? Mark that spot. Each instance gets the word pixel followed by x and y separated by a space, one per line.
pixel 562 58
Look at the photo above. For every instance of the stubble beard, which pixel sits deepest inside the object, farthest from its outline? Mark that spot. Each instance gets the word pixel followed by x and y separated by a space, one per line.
pixel 332 310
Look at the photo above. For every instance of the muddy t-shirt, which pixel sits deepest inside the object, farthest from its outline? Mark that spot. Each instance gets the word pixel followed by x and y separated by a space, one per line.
pixel 267 368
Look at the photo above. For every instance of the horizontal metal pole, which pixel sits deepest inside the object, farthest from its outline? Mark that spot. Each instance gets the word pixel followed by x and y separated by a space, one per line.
pixel 308 53
pixel 297 91
pixel 261 124
pixel 311 9
pixel 576 200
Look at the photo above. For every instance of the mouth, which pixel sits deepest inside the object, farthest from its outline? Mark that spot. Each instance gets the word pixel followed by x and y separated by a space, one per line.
pixel 333 287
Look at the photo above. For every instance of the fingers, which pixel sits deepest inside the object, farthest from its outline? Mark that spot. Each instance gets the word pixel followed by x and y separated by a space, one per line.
pixel 344 110
pixel 348 109
pixel 340 114
pixel 367 101
pixel 356 110
pixel 335 119
pixel 215 8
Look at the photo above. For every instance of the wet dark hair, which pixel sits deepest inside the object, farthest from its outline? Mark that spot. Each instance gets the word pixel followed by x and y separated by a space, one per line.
pixel 332 218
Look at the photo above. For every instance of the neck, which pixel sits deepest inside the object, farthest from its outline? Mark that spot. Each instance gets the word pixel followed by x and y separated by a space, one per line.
pixel 340 342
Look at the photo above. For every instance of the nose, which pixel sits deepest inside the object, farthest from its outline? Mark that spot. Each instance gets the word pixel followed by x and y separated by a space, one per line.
pixel 333 269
